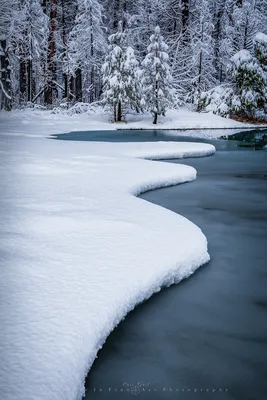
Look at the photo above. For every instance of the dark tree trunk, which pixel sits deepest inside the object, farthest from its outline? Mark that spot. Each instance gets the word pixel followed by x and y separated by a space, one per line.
pixel 72 81
pixel 217 37
pixel 66 93
pixel 155 118
pixel 44 6
pixel 66 86
pixel 30 79
pixel 92 76
pixel 92 79
pixel 200 62
pixel 185 14
pixel 200 68
pixel 78 86
pixel 115 112
pixel 119 111
pixel 246 36
pixel 5 78
pixel 22 78
pixel 51 64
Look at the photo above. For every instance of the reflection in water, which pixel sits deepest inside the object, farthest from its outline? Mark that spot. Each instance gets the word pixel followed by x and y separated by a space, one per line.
pixel 234 141
pixel 256 140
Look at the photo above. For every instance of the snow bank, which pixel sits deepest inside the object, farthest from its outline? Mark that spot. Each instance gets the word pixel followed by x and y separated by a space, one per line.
pixel 182 119
pixel 79 251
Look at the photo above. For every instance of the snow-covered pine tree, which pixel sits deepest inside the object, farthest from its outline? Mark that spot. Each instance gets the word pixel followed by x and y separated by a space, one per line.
pixel 260 49
pixel 156 76
pixel 120 69
pixel 250 84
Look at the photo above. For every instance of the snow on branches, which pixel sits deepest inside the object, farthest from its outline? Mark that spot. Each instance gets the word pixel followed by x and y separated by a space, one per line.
pixel 156 77
pixel 120 73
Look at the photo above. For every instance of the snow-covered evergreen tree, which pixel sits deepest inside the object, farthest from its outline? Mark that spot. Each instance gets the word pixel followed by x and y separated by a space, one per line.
pixel 250 83
pixel 156 76
pixel 260 50
pixel 120 69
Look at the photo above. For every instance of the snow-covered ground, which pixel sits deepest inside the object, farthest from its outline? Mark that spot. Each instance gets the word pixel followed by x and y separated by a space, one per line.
pixel 24 122
pixel 78 249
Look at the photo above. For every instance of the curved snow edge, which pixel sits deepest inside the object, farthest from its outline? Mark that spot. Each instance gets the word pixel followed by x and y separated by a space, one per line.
pixel 173 275
pixel 83 252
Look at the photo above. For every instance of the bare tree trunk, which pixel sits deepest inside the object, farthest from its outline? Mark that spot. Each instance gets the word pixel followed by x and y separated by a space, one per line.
pixel 116 17
pixel 66 86
pixel 92 79
pixel 92 83
pixel 200 61
pixel 217 37
pixel 185 17
pixel 5 78
pixel 29 73
pixel 66 92
pixel 200 68
pixel 78 87
pixel 44 6
pixel 115 112
pixel 246 36
pixel 51 64
pixel 157 99
pixel 22 78
pixel 119 111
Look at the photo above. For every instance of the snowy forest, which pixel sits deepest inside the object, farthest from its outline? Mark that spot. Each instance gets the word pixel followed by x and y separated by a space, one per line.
pixel 139 55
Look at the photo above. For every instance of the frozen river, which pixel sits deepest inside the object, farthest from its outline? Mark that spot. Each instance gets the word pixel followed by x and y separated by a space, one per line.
pixel 205 338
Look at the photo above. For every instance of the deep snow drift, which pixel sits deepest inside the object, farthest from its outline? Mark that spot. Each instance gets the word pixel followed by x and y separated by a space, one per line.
pixel 79 251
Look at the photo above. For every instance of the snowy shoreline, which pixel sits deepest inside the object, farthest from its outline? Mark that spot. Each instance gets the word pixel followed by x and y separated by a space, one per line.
pixel 81 252
pixel 250 127
pixel 36 123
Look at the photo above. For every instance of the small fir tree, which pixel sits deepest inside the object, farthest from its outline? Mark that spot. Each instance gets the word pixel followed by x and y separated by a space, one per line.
pixel 120 70
pixel 156 76
pixel 250 83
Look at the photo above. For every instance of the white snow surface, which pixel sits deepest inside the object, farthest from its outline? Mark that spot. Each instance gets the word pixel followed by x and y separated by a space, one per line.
pixel 79 250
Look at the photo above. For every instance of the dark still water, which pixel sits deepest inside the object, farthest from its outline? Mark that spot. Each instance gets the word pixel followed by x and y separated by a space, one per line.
pixel 256 136
pixel 205 338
